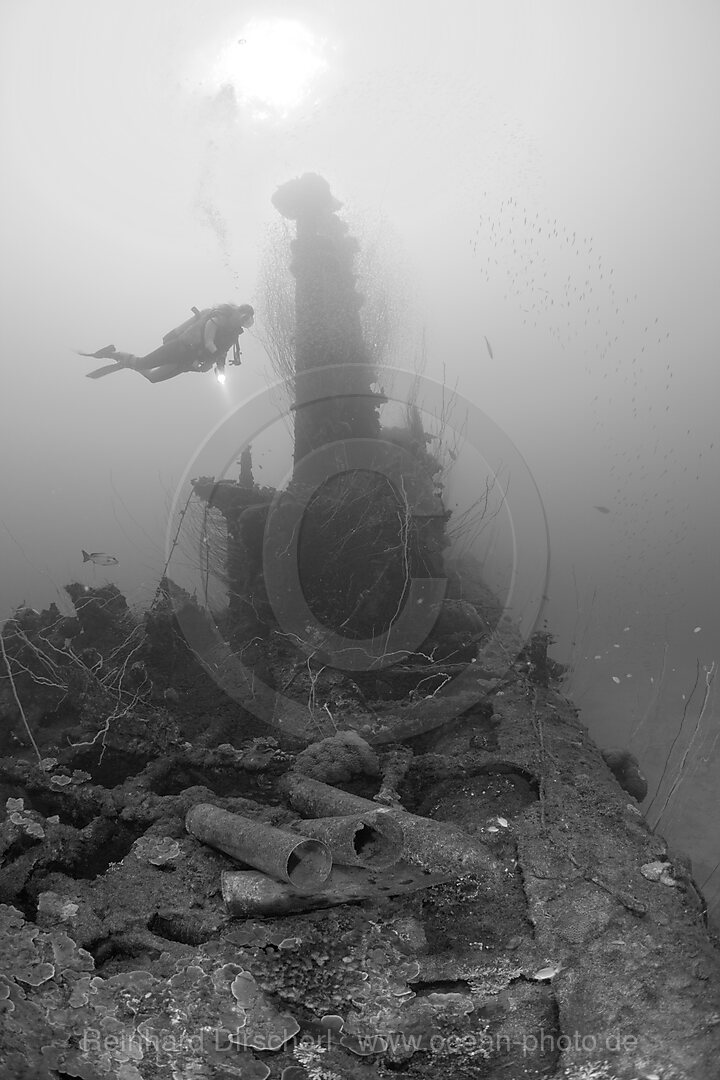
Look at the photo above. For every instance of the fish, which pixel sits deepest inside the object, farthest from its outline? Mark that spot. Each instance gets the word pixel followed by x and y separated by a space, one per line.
pixel 489 348
pixel 602 509
pixel 548 972
pixel 99 558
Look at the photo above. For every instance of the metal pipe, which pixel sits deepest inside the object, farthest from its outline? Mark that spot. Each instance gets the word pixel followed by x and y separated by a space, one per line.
pixel 301 862
pixel 247 892
pixel 433 845
pixel 371 839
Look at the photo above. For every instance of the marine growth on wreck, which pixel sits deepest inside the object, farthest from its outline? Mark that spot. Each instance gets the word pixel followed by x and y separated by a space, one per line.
pixel 284 840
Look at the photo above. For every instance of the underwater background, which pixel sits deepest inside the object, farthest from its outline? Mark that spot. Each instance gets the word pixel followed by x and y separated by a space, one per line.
pixel 534 187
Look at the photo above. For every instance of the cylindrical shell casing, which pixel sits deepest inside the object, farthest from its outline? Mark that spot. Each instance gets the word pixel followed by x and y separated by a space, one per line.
pixel 370 839
pixel 303 862
pixel 248 892
pixel 432 844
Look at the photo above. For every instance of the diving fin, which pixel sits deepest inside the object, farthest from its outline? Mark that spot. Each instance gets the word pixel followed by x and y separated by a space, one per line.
pixel 121 360
pixel 106 370
pixel 102 354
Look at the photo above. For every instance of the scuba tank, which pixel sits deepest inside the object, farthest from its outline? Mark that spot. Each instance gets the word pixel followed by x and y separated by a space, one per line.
pixel 192 329
pixel 189 337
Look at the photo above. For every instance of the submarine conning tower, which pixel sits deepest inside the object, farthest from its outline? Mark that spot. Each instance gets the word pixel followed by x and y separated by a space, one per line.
pixel 333 370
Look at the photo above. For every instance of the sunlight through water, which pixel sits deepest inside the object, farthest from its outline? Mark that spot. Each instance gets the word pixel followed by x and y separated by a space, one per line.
pixel 271 66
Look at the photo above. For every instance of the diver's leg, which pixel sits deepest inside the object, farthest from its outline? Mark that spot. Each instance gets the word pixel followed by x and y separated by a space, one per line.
pixel 173 355
pixel 147 363
pixel 160 374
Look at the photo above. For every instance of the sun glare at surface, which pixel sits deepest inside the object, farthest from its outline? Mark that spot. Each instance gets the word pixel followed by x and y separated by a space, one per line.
pixel 272 65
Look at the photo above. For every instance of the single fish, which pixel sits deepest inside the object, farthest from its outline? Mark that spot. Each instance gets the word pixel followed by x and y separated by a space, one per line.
pixel 99 558
pixel 489 349
pixel 549 972
pixel 602 509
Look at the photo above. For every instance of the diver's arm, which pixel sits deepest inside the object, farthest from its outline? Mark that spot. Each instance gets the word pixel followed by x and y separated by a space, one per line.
pixel 206 363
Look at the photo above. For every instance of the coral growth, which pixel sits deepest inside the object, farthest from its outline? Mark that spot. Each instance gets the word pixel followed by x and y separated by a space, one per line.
pixel 200 1017
pixel 337 759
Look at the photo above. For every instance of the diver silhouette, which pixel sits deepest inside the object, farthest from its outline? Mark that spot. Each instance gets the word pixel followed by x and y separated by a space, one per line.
pixel 199 344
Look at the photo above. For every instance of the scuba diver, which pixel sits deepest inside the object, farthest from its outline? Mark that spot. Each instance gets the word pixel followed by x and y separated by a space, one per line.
pixel 199 344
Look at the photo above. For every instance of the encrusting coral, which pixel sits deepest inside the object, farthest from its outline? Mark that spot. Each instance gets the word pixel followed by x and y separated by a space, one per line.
pixel 337 759
pixel 198 1015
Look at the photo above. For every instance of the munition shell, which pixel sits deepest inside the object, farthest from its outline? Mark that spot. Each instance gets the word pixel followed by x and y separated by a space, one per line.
pixel 304 863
